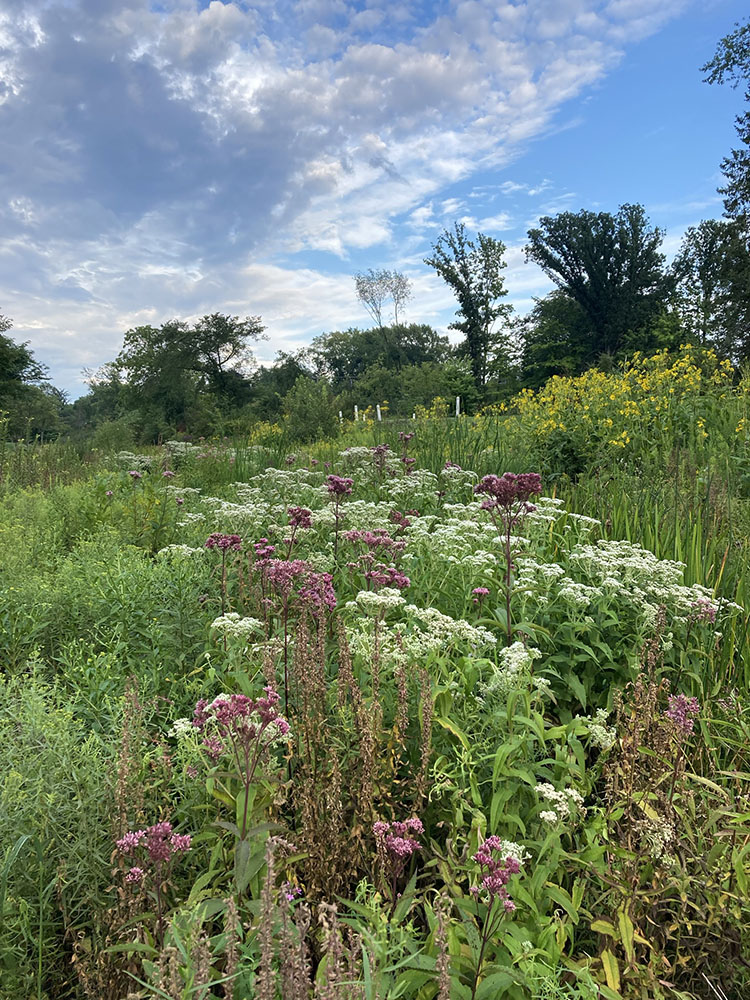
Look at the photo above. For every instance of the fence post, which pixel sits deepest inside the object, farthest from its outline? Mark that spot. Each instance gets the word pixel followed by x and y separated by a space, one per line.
pixel 377 407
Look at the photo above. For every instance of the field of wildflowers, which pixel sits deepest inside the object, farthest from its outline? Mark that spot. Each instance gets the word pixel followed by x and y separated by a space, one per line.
pixel 448 709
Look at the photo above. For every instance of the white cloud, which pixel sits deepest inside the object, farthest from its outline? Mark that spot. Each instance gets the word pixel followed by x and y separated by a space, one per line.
pixel 153 150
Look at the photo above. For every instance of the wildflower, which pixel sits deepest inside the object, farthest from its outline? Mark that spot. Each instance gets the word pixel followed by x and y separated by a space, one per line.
pixel 682 711
pixel 395 847
pixel 509 489
pixel 167 474
pixel 135 474
pixel 263 550
pixel 703 610
pixel 479 594
pixel 223 542
pixel 109 493
pixel 496 871
pixel 128 843
pixel 135 875
pixel 339 486
pixel 179 501
pixel 299 517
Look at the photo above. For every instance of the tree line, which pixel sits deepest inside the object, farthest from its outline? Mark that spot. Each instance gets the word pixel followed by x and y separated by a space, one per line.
pixel 614 294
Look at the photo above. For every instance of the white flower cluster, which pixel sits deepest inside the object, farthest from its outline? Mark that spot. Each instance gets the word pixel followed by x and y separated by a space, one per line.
pixel 560 800
pixel 510 849
pixel 414 490
pixel 443 631
pixel 637 576
pixel 377 603
pixel 361 460
pixel 579 595
pixel 602 735
pixel 513 670
pixel 234 625
pixel 182 728
pixel 181 449
pixel 179 551
pixel 128 460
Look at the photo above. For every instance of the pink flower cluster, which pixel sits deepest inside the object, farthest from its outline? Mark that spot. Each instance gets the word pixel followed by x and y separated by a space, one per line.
pixel 479 594
pixel 232 723
pixel 299 517
pixel 135 474
pixel 159 843
pixel 377 539
pixel 338 486
pixel 703 611
pixel 387 576
pixel 495 872
pixel 402 520
pixel 263 549
pixel 682 711
pixel 393 838
pixel 509 489
pixel 223 542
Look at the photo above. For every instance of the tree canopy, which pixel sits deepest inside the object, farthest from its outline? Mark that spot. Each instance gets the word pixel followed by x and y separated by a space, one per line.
pixel 473 270
pixel 611 265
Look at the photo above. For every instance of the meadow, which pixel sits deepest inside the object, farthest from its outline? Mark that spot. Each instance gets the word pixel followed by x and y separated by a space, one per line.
pixel 434 708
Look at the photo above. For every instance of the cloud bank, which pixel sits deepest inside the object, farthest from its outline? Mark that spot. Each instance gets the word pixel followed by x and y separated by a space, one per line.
pixel 173 158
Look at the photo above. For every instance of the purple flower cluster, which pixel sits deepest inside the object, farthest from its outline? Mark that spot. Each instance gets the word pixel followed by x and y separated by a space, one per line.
pixel 402 520
pixel 387 576
pixel 338 486
pixel 299 517
pixel 682 711
pixel 135 475
pixel 223 542
pixel 377 539
pixel 159 842
pixel 703 611
pixel 239 724
pixel 168 474
pixel 394 839
pixel 317 592
pixel 263 549
pixel 495 872
pixel 509 489
pixel 479 594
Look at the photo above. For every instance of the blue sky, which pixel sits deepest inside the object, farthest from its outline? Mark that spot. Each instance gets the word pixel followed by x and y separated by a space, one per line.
pixel 168 159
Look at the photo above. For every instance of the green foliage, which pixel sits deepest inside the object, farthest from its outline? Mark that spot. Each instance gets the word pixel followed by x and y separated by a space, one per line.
pixel 611 266
pixel 474 273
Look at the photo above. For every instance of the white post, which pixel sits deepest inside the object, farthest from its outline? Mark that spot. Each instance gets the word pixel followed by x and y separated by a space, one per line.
pixel 341 417
pixel 413 416
pixel 377 407
pixel 356 413
pixel 458 406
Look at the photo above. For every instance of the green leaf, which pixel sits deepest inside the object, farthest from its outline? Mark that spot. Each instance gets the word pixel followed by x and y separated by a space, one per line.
pixel 604 927
pixel 611 969
pixel 493 985
pixel 626 934
pixel 453 728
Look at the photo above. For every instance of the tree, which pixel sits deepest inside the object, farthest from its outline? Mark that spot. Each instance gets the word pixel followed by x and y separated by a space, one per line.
pixel 712 273
pixel 473 271
pixel 344 355
pixel 612 267
pixel 732 63
pixel 375 288
pixel 27 401
pixel 554 339
pixel 177 375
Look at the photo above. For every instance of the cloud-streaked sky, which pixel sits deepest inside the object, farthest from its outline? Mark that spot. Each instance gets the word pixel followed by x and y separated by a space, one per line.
pixel 169 158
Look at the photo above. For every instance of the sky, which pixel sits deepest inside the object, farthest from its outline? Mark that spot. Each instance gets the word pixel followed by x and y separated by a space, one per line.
pixel 166 159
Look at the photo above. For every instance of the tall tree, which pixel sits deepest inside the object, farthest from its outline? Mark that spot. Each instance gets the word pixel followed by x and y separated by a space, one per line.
pixel 712 271
pixel 474 271
pixel 176 371
pixel 732 63
pixel 612 267
pixel 375 289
